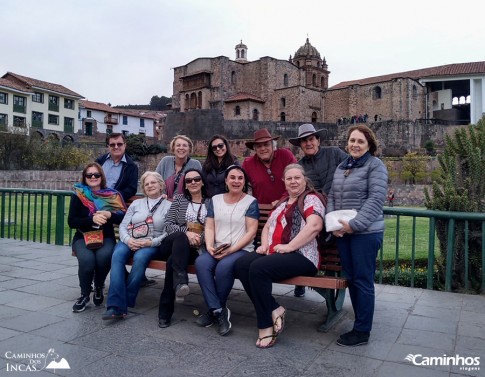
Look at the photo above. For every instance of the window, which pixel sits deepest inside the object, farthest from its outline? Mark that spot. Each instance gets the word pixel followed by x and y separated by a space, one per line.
pixel 18 121
pixel 314 80
pixel 68 103
pixel 415 92
pixel 53 119
pixel 38 97
pixel 283 102
pixel 19 104
pixel 237 111
pixel 282 117
pixel 285 79
pixel 3 120
pixel 68 125
pixel 314 117
pixel 37 119
pixel 142 122
pixel 377 92
pixel 255 114
pixel 53 103
pixel 125 120
pixel 4 98
pixel 88 114
pixel 233 77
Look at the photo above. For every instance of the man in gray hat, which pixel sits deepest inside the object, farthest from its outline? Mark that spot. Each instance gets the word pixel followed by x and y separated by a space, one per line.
pixel 319 164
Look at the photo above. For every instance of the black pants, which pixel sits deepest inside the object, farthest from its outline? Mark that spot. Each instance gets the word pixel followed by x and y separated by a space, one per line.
pixel 177 252
pixel 257 273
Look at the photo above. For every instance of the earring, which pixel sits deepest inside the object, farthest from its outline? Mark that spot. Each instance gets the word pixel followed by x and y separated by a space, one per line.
pixel 227 188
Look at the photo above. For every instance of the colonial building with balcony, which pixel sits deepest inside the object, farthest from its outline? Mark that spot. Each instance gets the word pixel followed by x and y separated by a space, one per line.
pixel 30 105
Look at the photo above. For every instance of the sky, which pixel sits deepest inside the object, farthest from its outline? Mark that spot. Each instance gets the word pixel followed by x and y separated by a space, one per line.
pixel 123 51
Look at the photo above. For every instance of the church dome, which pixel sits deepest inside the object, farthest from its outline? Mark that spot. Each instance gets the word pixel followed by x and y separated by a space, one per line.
pixel 307 51
pixel 241 45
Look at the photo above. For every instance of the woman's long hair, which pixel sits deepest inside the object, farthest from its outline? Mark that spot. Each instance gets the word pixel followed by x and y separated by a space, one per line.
pixel 203 189
pixel 212 162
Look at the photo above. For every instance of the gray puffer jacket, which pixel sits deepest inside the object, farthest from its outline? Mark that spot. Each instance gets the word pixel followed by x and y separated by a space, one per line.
pixel 365 190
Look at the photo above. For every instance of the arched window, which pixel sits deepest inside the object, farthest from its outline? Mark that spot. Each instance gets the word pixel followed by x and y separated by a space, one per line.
pixel 415 92
pixel 242 54
pixel 237 54
pixel 255 114
pixel 233 77
pixel 314 117
pixel 285 79
pixel 462 100
pixel 283 102
pixel 468 99
pixel 453 102
pixel 193 101
pixel 283 117
pixel 187 102
pixel 199 100
pixel 377 92
pixel 322 82
pixel 314 80
pixel 237 111
pixel 298 63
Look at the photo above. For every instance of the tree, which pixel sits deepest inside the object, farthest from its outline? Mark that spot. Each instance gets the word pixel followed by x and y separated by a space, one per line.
pixel 461 189
pixel 413 167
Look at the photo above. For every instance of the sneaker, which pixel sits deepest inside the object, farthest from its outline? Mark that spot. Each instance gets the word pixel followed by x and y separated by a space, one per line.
pixel 81 304
pixel 98 296
pixel 182 290
pixel 113 313
pixel 222 320
pixel 353 338
pixel 206 320
pixel 299 291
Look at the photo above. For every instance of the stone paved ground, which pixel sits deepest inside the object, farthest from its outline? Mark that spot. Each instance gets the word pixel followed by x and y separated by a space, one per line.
pixel 38 286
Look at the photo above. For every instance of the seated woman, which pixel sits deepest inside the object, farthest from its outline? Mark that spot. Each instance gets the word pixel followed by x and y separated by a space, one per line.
pixel 219 158
pixel 288 249
pixel 141 233
pixel 94 207
pixel 231 225
pixel 185 227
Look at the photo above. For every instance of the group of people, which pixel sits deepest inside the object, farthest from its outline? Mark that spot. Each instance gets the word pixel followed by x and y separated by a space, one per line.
pixel 208 214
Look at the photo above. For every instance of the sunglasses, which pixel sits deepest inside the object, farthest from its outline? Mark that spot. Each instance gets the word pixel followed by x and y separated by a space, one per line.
pixel 271 176
pixel 114 145
pixel 218 146
pixel 92 175
pixel 195 179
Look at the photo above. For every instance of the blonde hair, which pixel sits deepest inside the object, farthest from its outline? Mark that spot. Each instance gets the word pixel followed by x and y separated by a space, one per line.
pixel 157 176
pixel 183 137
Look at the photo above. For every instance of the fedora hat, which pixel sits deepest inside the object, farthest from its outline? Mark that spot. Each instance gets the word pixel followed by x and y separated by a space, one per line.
pixel 260 136
pixel 304 130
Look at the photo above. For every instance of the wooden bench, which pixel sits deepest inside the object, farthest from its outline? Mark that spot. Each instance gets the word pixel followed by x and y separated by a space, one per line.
pixel 328 282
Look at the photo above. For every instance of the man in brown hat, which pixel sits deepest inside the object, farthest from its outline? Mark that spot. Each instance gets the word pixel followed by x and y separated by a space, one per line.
pixel 265 168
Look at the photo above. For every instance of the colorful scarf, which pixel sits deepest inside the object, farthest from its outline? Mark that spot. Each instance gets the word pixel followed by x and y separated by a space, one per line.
pixel 101 200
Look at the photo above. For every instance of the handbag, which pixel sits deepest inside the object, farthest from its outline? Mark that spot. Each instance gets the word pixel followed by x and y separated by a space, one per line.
pixel 195 227
pixel 94 239
pixel 144 229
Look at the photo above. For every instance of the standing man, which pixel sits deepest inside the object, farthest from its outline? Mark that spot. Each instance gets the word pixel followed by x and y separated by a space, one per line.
pixel 121 173
pixel 120 170
pixel 265 168
pixel 319 164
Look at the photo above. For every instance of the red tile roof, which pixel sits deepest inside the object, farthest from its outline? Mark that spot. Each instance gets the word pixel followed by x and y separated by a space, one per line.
pixel 240 97
pixel 14 85
pixel 148 114
pixel 34 83
pixel 459 69
pixel 98 106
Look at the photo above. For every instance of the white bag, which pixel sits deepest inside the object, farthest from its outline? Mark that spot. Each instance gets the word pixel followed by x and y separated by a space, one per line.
pixel 332 218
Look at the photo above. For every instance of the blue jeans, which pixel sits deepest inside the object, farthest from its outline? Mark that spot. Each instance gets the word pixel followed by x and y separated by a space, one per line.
pixel 93 263
pixel 358 253
pixel 122 293
pixel 216 277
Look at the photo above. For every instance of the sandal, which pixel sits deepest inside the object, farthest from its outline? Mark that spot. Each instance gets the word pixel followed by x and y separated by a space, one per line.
pixel 270 344
pixel 281 317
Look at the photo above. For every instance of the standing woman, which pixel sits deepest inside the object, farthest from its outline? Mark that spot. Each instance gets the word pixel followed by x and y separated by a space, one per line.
pixel 360 183
pixel 288 249
pixel 141 233
pixel 231 225
pixel 219 158
pixel 172 168
pixel 93 207
pixel 185 227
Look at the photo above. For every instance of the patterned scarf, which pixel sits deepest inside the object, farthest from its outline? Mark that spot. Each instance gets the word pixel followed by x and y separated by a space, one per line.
pixel 102 200
pixel 293 223
pixel 351 163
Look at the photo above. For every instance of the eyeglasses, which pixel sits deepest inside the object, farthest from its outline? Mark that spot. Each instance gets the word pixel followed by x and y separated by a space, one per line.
pixel 195 179
pixel 92 175
pixel 218 146
pixel 114 145
pixel 271 176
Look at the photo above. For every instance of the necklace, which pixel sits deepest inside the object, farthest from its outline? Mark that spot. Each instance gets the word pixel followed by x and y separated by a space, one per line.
pixel 232 212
